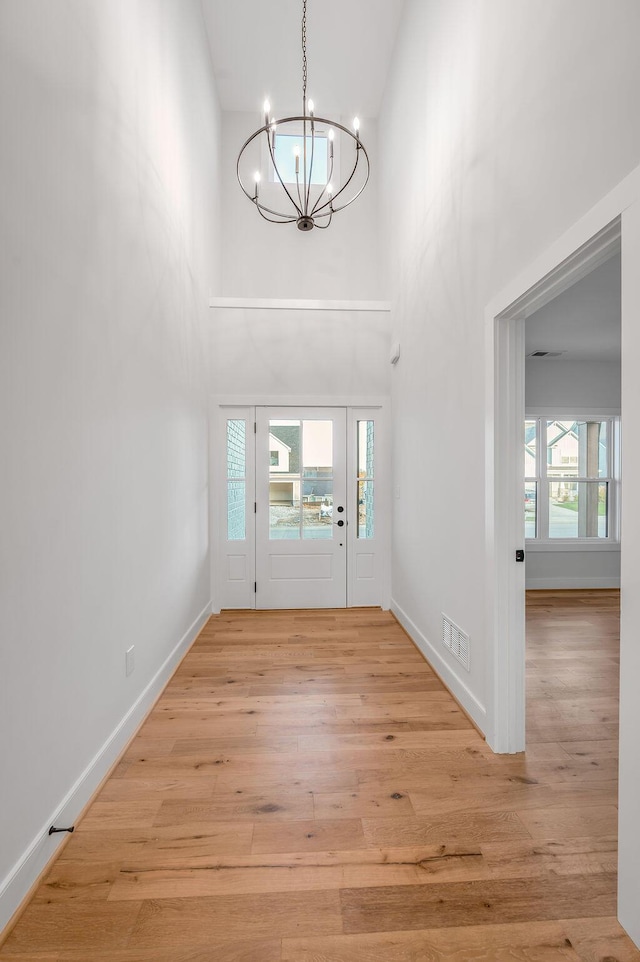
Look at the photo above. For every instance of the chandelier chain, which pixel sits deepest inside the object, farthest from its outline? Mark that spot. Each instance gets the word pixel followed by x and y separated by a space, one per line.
pixel 304 56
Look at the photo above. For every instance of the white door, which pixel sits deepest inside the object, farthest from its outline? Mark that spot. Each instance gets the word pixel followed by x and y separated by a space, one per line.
pixel 301 508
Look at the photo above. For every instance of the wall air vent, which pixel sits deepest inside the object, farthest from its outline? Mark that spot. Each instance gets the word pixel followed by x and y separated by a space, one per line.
pixel 456 641
pixel 546 354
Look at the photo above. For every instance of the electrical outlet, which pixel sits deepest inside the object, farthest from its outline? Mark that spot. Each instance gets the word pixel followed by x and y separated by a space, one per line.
pixel 129 660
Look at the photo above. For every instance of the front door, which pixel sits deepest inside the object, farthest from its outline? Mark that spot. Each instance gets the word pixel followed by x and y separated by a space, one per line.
pixel 301 508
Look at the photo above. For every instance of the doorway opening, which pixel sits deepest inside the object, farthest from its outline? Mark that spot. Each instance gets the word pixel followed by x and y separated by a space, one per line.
pixel 505 478
pixel 572 497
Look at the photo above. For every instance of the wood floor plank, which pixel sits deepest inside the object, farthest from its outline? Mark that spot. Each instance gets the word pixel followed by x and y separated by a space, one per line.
pixel 306 789
pixel 211 950
pixel 533 942
pixel 284 784
pixel 33 956
pixel 78 880
pixel 409 741
pixel 163 883
pixel 417 830
pixel 500 792
pixel 121 814
pixel 193 843
pixel 311 836
pixel 361 805
pixel 148 789
pixel 487 902
pixel 184 921
pixel 235 807
pixel 574 820
pixel 44 925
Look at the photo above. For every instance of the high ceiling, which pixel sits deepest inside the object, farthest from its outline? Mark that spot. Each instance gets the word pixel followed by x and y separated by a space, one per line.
pixel 256 51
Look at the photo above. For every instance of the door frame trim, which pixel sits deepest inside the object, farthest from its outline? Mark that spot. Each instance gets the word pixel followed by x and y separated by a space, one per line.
pixel 585 245
pixel 302 401
pixel 217 404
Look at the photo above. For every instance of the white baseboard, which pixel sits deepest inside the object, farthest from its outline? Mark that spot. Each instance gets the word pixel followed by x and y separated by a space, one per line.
pixel 42 850
pixel 476 711
pixel 559 583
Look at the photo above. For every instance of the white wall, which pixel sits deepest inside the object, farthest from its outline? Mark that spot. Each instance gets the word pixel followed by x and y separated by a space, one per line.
pixel 276 353
pixel 498 158
pixel 109 248
pixel 503 157
pixel 299 353
pixel 557 568
pixel 267 260
pixel 571 387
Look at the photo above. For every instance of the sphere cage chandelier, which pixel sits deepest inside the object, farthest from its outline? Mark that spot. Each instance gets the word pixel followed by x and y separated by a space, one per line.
pixel 298 187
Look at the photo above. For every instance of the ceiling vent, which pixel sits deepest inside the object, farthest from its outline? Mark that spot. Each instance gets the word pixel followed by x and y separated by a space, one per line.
pixel 546 353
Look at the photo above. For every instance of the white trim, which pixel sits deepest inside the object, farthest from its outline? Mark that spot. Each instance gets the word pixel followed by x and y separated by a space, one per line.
pixel 505 592
pixel 563 413
pixel 355 406
pixel 18 882
pixel 302 401
pixel 297 304
pixel 476 711
pixel 378 591
pixel 593 239
pixel 581 261
pixel 560 583
pixel 226 594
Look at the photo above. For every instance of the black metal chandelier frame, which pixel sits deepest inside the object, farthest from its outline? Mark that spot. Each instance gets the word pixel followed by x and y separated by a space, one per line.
pixel 305 208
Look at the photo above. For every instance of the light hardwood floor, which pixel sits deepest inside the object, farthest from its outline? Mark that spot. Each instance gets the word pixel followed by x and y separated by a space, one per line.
pixel 307 791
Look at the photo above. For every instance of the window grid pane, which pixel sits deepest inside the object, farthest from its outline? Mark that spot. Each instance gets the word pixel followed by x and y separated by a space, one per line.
pixel 567 492
pixel 236 483
pixel 530 449
pixel 236 511
pixel 365 485
pixel 578 509
pixel 236 448
pixel 577 449
pixel 530 509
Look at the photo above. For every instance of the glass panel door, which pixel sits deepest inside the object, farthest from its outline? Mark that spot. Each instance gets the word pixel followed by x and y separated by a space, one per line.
pixel 301 508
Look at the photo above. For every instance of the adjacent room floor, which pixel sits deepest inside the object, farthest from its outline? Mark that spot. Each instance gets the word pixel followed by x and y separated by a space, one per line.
pixel 306 790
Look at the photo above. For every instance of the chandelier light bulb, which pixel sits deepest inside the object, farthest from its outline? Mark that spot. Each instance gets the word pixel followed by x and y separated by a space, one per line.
pixel 257 176
pixel 311 107
pixel 267 111
pixel 356 124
